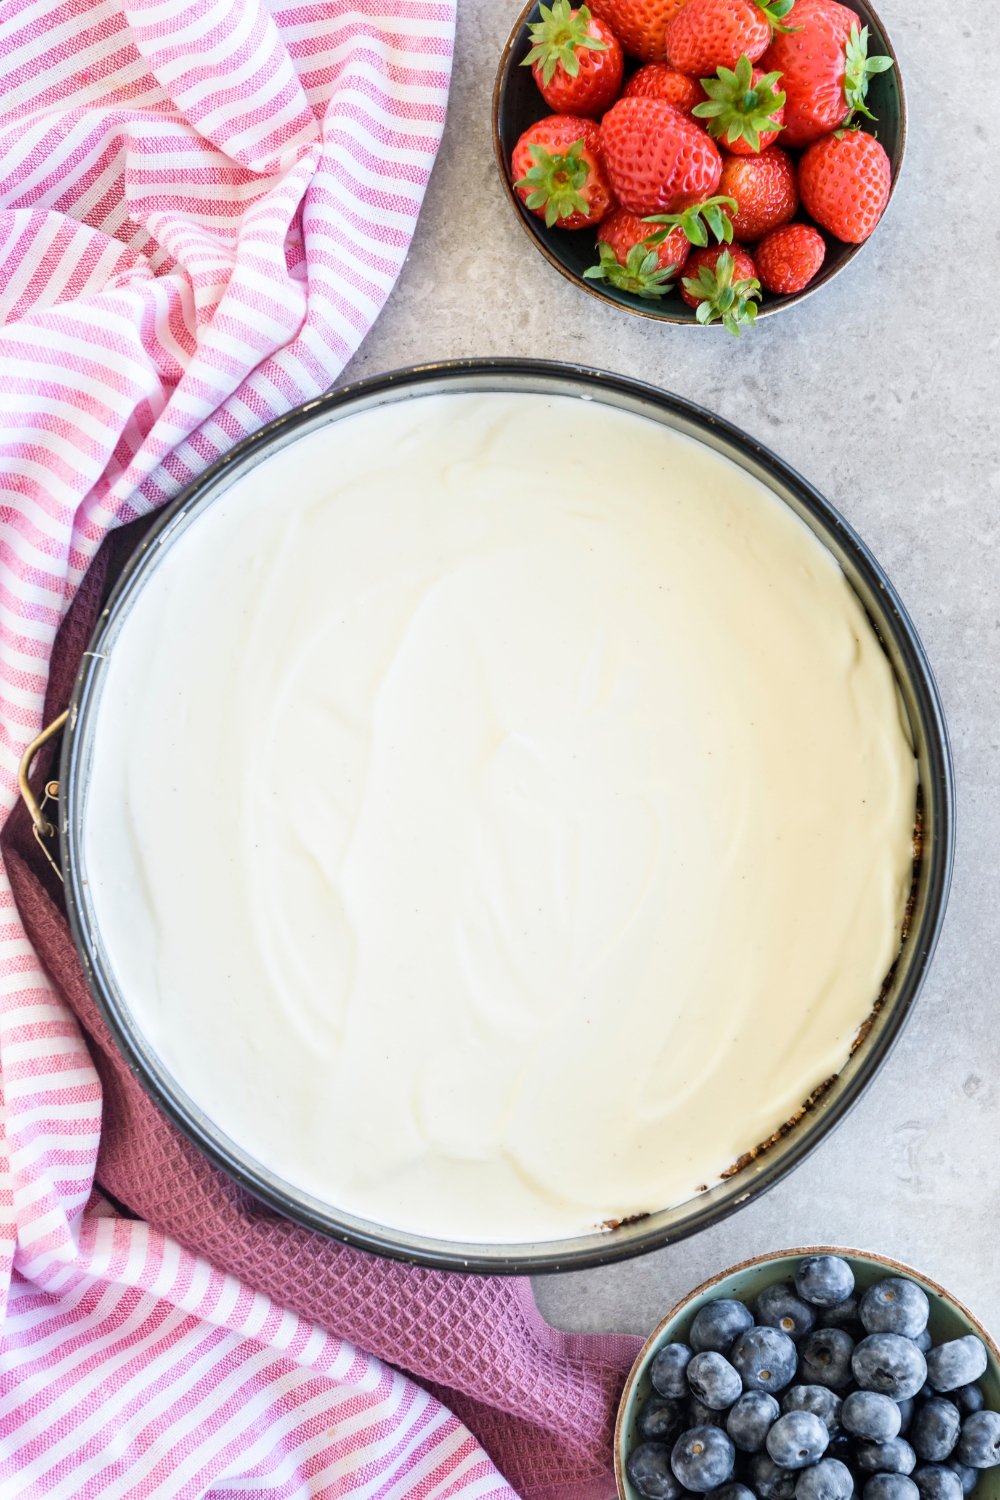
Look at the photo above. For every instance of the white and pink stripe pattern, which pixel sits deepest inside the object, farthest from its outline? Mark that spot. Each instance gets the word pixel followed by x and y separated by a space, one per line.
pixel 141 1371
pixel 203 206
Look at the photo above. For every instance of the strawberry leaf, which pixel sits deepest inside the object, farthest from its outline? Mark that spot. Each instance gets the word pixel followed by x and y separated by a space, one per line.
pixel 776 11
pixel 556 38
pixel 723 300
pixel 737 108
pixel 719 223
pixel 859 67
pixel 640 274
pixel 694 219
pixel 555 182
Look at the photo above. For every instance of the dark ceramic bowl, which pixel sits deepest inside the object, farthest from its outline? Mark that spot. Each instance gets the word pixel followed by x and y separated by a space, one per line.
pixel 517 104
pixel 948 1320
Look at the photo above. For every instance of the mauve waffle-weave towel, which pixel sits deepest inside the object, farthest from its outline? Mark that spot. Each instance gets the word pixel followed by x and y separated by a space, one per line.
pixel 542 1403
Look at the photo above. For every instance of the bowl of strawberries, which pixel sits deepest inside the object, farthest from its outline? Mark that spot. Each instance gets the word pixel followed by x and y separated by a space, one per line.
pixel 699 161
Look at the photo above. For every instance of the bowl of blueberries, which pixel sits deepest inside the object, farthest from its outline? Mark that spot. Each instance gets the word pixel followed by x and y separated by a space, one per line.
pixel 814 1374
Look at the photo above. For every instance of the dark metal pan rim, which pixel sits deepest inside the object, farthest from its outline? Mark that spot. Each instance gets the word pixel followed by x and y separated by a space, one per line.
pixel 923 705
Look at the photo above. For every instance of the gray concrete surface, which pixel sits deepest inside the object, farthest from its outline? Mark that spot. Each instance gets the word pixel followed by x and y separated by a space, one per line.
pixel 883 391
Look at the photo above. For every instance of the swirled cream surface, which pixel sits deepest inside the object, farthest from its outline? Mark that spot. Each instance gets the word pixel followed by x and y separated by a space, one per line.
pixel 501 816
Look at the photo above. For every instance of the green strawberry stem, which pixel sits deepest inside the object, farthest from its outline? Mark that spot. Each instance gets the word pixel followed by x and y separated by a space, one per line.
pixel 724 300
pixel 776 11
pixel 859 68
pixel 737 108
pixel 555 183
pixel 693 221
pixel 556 37
pixel 640 274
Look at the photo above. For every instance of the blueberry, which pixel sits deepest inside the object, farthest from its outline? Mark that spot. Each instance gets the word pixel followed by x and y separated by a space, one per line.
pixel 770 1481
pixel 797 1439
pixel 889 1363
pixel 825 1358
pixel 765 1359
pixel 815 1398
pixel 924 1341
pixel 895 1306
pixel 968 1477
pixel 750 1419
pixel 662 1419
pixel 934 1430
pixel 649 1471
pixel 956 1363
pixel 732 1491
pixel 825 1280
pixel 894 1457
pixel 979 1444
pixel 827 1480
pixel 779 1307
pixel 890 1487
pixel 841 1315
pixel 713 1380
pixel 700 1415
pixel 717 1324
pixel 867 1415
pixel 936 1482
pixel 906 1412
pixel 667 1370
pixel 969 1398
pixel 702 1459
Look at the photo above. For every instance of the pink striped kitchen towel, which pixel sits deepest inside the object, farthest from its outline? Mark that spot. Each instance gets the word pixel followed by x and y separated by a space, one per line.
pixel 203 206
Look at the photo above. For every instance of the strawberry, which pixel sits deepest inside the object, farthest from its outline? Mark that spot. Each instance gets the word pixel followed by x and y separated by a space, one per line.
pixel 637 258
pixel 657 158
pixel 659 81
pixel 743 109
pixel 558 172
pixel 722 288
pixel 639 24
pixel 622 231
pixel 709 34
pixel 845 180
pixel 788 258
pixel 576 60
pixel 765 189
pixel 824 69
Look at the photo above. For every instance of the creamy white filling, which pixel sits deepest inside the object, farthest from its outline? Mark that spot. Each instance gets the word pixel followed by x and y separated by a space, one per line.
pixel 500 816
